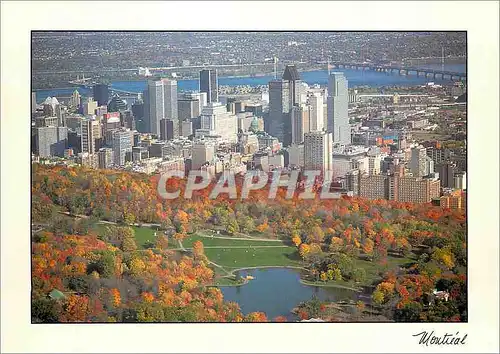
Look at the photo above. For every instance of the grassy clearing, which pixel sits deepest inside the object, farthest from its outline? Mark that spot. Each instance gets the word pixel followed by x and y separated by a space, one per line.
pixel 254 257
pixel 143 235
pixel 209 241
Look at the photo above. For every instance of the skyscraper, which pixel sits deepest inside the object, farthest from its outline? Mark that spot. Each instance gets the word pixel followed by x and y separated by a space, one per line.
pixel 291 75
pixel 88 139
pixel 101 94
pixel 318 151
pixel 51 141
pixel 122 143
pixel 202 152
pixel 316 114
pixel 338 120
pixel 166 129
pixel 154 110
pixel 33 102
pixel 215 119
pixel 418 161
pixel 279 108
pixel 209 85
pixel 170 104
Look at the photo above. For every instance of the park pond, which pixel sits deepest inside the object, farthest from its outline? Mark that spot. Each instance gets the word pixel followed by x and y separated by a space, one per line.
pixel 276 291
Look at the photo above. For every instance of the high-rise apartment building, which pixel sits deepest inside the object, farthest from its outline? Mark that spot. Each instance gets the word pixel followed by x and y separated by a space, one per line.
pixel 416 189
pixel 337 103
pixel 209 85
pixel 418 161
pixel 399 188
pixel 318 151
pixel 373 186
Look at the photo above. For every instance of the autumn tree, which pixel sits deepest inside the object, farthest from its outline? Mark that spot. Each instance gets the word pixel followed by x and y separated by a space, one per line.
pixel 296 240
pixel 162 242
pixel 198 250
pixel 304 250
pixel 316 235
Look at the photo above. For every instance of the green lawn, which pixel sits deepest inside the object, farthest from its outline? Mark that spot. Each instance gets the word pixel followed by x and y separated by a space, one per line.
pixel 253 257
pixel 209 241
pixel 142 235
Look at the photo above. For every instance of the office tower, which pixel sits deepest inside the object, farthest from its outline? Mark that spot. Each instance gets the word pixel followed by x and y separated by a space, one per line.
pixel 316 115
pixel 291 75
pixel 170 104
pixel 127 119
pixel 75 100
pixel 116 104
pixel 202 152
pixel 279 109
pixel 186 128
pixel 255 108
pixel 216 120
pixel 33 102
pixel 122 144
pixel 154 110
pixel 51 141
pixel 345 159
pixel 49 106
pixel 101 94
pixel 156 149
pixel 418 161
pixel 318 151
pixel 337 101
pixel 446 172
pixel 46 122
pixel 297 125
pixel 105 157
pixel 300 121
pixel 101 110
pixel 87 133
pixel 89 107
pixel 295 88
pixel 209 85
pixel 138 109
pixel 201 97
pixel 166 129
pixel 188 109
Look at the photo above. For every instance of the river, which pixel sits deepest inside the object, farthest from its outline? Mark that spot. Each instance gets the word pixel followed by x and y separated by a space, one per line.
pixel 276 291
pixel 355 78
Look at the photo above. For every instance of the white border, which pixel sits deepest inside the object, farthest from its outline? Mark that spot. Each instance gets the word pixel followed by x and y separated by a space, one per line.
pixel 480 19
